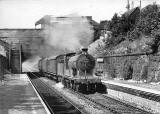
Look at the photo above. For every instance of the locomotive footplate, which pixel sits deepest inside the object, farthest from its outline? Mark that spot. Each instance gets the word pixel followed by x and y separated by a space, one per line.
pixel 85 80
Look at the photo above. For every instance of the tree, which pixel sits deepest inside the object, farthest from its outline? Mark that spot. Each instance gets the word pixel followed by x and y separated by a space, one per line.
pixel 114 25
pixel 150 19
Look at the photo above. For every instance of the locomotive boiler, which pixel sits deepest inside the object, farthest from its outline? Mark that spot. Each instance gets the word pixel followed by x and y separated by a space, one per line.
pixel 82 64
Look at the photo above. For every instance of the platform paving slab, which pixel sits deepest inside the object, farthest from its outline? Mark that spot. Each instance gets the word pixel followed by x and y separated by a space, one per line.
pixel 17 96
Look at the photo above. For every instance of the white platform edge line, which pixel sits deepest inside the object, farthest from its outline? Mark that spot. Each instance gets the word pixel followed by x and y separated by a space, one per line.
pixel 133 87
pixel 47 110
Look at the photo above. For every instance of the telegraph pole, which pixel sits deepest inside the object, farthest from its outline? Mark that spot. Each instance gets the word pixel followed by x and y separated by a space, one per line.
pixel 132 5
pixel 140 3
pixel 128 5
pixel 20 57
pixel 128 8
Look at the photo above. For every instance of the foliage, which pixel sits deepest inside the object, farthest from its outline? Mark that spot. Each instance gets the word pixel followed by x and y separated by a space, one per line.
pixel 144 24
pixel 156 41
pixel 149 21
pixel 119 25
pixel 114 25
pixel 143 35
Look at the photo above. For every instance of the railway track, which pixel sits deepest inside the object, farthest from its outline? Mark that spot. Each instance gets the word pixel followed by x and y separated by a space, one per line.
pixel 111 104
pixel 56 103
pixel 114 105
pixel 131 107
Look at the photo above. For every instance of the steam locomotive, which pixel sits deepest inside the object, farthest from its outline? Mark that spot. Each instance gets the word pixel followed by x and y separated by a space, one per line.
pixel 74 70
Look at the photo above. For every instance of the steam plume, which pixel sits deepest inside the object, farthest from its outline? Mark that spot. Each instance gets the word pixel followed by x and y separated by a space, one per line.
pixel 69 34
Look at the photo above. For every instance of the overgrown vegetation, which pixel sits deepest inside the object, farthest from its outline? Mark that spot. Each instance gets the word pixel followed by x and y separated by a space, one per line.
pixel 135 31
pixel 132 24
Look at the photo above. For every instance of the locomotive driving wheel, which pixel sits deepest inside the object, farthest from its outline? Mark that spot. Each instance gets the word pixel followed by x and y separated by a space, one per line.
pixel 91 88
pixel 77 87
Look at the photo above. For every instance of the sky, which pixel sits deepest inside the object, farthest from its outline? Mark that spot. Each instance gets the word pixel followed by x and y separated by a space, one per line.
pixel 24 13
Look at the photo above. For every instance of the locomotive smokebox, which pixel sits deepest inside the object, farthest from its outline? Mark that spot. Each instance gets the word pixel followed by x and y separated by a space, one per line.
pixel 82 61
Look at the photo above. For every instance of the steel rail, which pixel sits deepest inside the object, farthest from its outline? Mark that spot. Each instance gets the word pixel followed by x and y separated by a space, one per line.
pixel 93 101
pixel 49 108
pixel 109 107
pixel 62 96
pixel 125 104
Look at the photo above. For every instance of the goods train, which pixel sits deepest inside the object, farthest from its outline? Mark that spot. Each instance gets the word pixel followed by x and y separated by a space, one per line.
pixel 74 70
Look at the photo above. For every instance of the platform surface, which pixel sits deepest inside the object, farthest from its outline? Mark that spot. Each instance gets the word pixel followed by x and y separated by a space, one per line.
pixel 142 95
pixel 17 96
pixel 148 87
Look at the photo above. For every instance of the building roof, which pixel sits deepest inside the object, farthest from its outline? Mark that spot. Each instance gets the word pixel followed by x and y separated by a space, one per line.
pixel 44 20
pixel 132 13
pixel 49 19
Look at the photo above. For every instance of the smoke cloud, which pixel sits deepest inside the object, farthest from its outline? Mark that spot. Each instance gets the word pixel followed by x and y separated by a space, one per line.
pixel 30 65
pixel 67 35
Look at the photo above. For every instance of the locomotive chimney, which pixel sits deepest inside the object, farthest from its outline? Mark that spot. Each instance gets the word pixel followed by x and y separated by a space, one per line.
pixel 84 50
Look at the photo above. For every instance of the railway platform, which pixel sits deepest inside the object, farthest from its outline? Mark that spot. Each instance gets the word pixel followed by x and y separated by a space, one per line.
pixel 17 96
pixel 143 95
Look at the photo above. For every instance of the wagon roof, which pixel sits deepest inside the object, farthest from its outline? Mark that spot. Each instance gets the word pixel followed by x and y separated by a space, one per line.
pixel 67 54
pixel 60 55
